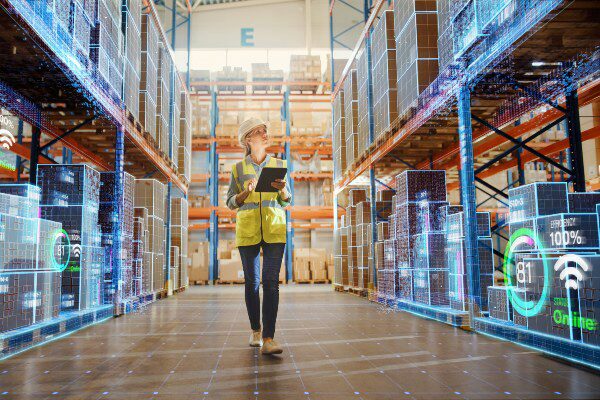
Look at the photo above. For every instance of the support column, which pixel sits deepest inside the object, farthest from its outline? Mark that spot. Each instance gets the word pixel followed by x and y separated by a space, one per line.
pixel 574 134
pixel 34 153
pixel 20 141
pixel 467 187
pixel 289 232
pixel 213 187
pixel 371 140
pixel 172 121
pixel 117 244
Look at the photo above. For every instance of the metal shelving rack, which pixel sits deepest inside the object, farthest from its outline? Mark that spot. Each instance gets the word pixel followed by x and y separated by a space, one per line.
pixel 458 117
pixel 216 145
pixel 42 86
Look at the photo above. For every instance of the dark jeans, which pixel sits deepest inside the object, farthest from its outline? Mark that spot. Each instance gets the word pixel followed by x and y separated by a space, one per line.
pixel 272 256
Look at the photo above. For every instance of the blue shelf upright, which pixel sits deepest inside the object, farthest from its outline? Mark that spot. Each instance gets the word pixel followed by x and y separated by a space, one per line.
pixel 289 232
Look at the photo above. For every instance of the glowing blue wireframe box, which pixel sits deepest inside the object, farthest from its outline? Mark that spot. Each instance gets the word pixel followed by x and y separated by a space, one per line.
pixel 419 217
pixel 583 202
pixel 28 297
pixel 537 199
pixel 70 195
pixel 471 18
pixel 431 287
pixel 416 185
pixel 21 339
pixel 29 281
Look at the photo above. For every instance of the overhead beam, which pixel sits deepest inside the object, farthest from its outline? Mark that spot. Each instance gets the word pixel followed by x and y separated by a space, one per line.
pixel 199 7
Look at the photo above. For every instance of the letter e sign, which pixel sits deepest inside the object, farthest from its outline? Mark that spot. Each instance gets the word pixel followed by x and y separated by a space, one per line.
pixel 247 37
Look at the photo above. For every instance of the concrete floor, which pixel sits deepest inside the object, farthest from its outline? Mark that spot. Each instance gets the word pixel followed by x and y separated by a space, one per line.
pixel 337 346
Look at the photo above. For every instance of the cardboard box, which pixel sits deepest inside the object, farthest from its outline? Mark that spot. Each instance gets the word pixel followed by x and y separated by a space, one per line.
pixel 230 271
pixel 301 270
pixel 198 271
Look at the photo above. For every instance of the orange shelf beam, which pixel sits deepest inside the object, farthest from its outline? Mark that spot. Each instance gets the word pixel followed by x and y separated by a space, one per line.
pixel 295 225
pixel 297 176
pixel 587 95
pixel 260 83
pixel 526 157
pixel 297 212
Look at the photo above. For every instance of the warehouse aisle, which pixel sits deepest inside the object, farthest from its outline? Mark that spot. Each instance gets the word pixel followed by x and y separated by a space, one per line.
pixel 337 346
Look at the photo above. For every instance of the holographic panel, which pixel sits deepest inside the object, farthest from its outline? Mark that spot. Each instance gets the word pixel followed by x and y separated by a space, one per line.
pixel 537 199
pixel 28 297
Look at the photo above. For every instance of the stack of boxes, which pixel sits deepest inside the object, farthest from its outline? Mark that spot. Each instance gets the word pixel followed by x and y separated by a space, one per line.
pixel 355 197
pixel 70 195
pixel 162 98
pixel 185 138
pixel 201 118
pixel 470 19
pixel 83 19
pixel 118 270
pixel 151 194
pixel 339 145
pixel 444 41
pixel 349 142
pixel 304 68
pixel 199 254
pixel 106 46
pixel 131 26
pixel 148 75
pixel 383 52
pixel 417 53
pixel 310 265
pixel 458 287
pixel 197 77
pixel 261 73
pixel 141 258
pixel 338 65
pixel 420 238
pixel 554 262
pixel 229 74
pixel 340 255
pixel 179 234
pixel 179 97
pixel 31 250
pixel 364 239
pixel 361 144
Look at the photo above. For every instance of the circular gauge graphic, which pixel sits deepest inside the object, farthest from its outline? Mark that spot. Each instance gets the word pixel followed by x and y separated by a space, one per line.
pixel 518 275
pixel 60 250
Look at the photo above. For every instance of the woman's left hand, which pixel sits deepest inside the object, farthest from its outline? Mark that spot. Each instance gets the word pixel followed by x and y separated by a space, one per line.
pixel 278 184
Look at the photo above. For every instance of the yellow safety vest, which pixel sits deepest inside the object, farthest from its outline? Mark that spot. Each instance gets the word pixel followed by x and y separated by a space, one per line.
pixel 261 217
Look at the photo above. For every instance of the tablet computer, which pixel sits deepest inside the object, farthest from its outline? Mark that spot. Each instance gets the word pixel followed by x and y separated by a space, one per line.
pixel 267 176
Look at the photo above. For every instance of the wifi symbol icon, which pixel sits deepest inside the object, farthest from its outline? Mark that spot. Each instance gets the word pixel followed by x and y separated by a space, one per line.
pixel 572 275
pixel 6 139
pixel 76 250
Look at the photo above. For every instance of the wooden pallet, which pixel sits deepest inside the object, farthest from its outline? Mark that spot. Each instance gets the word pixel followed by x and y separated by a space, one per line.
pixel 220 282
pixel 340 288
pixel 199 283
pixel 312 281
pixel 358 291
pixel 179 290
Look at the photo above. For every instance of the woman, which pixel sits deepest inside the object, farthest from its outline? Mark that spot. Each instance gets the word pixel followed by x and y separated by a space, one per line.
pixel 260 223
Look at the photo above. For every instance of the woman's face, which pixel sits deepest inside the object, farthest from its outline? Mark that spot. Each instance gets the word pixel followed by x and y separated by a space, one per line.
pixel 258 138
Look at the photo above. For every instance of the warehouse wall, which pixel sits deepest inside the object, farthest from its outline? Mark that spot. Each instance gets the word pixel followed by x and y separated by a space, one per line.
pixel 278 25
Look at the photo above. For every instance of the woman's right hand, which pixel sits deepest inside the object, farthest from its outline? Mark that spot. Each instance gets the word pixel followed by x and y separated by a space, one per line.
pixel 251 185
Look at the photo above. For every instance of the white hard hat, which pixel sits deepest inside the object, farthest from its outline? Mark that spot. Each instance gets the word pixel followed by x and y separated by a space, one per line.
pixel 247 126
